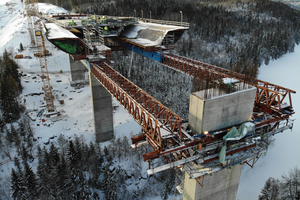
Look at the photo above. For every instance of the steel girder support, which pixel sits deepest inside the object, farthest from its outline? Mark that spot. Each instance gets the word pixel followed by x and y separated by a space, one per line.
pixel 142 107
pixel 267 94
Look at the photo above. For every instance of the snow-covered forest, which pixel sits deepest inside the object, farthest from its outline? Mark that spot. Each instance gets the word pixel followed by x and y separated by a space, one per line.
pixel 231 34
pixel 288 187
pixel 73 169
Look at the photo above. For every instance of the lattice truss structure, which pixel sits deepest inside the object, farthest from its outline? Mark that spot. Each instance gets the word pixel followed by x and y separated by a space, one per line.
pixel 163 129
pixel 31 10
pixel 35 29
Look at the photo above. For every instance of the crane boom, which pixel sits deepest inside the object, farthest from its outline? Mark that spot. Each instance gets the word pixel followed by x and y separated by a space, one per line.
pixel 32 10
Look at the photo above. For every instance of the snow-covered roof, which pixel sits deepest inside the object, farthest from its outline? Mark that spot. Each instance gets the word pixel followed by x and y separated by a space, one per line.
pixel 56 32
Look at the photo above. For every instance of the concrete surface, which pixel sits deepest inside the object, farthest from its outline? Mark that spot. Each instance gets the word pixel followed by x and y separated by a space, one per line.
pixel 103 111
pixel 220 112
pixel 221 185
pixel 77 70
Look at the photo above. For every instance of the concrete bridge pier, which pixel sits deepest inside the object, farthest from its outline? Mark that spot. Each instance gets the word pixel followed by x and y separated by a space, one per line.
pixel 101 100
pixel 211 110
pixel 78 72
pixel 221 185
pixel 102 110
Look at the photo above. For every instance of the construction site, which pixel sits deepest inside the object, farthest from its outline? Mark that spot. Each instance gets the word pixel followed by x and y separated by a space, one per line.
pixel 232 116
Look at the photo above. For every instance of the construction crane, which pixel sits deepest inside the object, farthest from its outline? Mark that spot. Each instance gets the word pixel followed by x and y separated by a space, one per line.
pixel 32 10
pixel 29 6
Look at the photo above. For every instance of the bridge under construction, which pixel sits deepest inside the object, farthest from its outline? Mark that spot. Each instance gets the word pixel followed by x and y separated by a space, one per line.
pixel 232 116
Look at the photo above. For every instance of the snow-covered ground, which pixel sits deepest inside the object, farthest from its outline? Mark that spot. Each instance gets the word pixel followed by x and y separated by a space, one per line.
pixel 285 153
pixel 78 108
pixel 77 102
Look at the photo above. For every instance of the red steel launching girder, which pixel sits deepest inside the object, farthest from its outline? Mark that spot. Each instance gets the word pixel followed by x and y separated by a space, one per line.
pixel 143 108
pixel 267 94
pixel 150 114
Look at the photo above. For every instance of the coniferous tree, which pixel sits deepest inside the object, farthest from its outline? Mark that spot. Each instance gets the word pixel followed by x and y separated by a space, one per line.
pixel 17 185
pixel 18 165
pixel 21 47
pixel 271 190
pixel 24 152
pixel 30 182
pixel 10 88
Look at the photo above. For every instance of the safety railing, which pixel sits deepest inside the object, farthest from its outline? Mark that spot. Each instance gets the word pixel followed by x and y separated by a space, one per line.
pixel 163 22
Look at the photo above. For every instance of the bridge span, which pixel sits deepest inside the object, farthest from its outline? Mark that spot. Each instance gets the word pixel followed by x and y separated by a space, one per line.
pixel 231 119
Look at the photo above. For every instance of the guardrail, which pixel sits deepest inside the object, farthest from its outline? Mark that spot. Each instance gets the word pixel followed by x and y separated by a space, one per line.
pixel 174 23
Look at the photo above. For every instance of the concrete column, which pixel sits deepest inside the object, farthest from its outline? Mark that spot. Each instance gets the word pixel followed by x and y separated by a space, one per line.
pixel 221 185
pixel 103 111
pixel 77 72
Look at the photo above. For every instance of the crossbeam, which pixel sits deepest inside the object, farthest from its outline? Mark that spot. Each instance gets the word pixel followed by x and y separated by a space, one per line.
pixel 156 120
pixel 268 94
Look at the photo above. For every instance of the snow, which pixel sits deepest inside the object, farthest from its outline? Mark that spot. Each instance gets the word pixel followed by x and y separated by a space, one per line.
pixel 49 8
pixel 148 34
pixel 78 108
pixel 285 153
pixel 56 32
pixel 77 102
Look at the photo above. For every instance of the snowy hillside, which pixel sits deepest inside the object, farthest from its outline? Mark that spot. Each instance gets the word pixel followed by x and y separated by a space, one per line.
pixel 78 120
pixel 77 101
pixel 77 107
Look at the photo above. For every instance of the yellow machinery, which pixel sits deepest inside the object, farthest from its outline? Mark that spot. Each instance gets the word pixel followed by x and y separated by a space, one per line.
pixel 32 10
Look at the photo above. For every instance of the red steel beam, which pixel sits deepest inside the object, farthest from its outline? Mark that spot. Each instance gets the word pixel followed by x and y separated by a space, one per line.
pixel 266 94
pixel 143 108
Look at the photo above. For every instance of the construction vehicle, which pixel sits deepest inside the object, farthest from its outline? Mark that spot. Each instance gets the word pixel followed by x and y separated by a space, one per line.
pixel 46 53
pixel 19 56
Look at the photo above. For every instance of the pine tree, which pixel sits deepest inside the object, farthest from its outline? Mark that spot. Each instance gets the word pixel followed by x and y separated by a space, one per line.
pixel 18 165
pixel 24 152
pixel 10 88
pixel 42 173
pixel 30 182
pixel 21 47
pixel 9 136
pixel 271 190
pixel 17 186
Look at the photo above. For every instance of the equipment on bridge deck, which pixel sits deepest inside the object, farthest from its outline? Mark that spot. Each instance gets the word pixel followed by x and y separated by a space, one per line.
pixel 197 153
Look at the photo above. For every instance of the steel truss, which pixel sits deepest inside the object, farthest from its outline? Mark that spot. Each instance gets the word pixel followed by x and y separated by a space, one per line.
pixel 268 95
pixel 161 126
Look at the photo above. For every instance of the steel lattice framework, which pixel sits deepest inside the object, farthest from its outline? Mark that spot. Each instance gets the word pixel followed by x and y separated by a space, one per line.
pixel 268 95
pixel 161 126
pixel 32 10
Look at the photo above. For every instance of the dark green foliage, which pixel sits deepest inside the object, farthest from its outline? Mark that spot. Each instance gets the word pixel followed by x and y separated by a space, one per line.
pixel 17 186
pixel 30 182
pixel 91 176
pixel 21 47
pixel 10 88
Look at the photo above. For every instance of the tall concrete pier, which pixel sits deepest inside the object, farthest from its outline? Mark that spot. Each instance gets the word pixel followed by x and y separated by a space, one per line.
pixel 77 71
pixel 210 110
pixel 103 111
pixel 101 100
pixel 221 185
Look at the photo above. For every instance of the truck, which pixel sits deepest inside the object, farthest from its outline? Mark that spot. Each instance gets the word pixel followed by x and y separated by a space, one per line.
pixel 19 56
